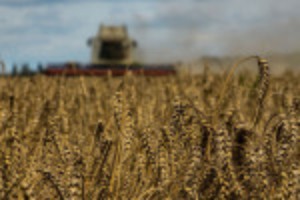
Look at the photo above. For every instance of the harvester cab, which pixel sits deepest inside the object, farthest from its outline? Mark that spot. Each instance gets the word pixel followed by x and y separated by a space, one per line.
pixel 112 45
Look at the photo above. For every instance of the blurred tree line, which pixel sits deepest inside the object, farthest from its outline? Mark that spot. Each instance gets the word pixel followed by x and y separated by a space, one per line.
pixel 25 70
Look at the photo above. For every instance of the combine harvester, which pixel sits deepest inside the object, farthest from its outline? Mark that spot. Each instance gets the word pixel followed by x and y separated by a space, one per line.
pixel 112 53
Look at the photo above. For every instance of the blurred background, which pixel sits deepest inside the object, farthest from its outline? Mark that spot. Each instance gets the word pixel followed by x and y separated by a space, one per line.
pixel 36 32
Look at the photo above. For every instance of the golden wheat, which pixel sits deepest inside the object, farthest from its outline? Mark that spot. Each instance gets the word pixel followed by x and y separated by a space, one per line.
pixel 180 137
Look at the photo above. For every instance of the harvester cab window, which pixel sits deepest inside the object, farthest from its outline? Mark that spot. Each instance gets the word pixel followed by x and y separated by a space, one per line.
pixel 113 50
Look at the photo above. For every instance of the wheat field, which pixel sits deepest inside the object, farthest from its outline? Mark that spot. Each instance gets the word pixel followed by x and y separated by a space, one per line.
pixel 216 135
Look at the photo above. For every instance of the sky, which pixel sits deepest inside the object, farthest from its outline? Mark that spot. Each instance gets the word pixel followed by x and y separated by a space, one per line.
pixel 49 31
